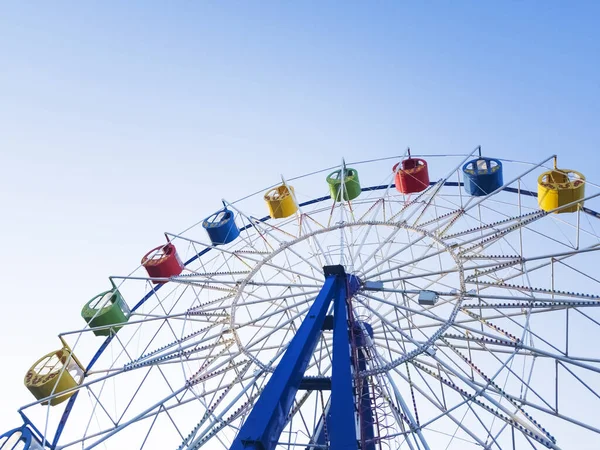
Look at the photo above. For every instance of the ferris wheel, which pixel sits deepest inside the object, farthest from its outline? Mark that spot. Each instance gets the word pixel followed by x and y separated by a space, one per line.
pixel 438 302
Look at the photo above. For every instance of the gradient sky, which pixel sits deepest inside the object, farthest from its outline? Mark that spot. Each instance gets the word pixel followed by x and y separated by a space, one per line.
pixel 120 120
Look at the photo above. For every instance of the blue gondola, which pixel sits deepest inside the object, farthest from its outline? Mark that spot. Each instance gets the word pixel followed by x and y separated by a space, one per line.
pixel 19 438
pixel 482 176
pixel 221 227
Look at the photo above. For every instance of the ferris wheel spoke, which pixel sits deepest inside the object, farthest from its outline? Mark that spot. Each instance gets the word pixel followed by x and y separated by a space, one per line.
pixel 210 369
pixel 373 211
pixel 287 270
pixel 283 296
pixel 439 404
pixel 167 356
pixel 270 333
pixel 522 422
pixel 510 372
pixel 461 325
pixel 419 347
pixel 531 290
pixel 536 304
pixel 572 360
pixel 258 225
pixel 510 221
pixel 424 274
pixel 552 411
pixel 216 402
pixel 276 312
pixel 409 293
pixel 378 248
pixel 403 410
pixel 426 207
pixel 314 241
pixel 415 202
pixel 566 418
pixel 279 303
pixel 143 360
pixel 147 413
pixel 468 401
pixel 184 280
pixel 523 223
pixel 254 242
pixel 218 423
pixel 400 308
pixel 250 283
pixel 486 240
pixel 122 425
pixel 244 255
pixel 150 429
pixel 525 327
pixel 215 427
pixel 408 246
pixel 201 307
pixel 212 275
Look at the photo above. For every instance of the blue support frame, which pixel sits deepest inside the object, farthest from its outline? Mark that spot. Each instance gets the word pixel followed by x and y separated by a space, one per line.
pixel 365 409
pixel 342 422
pixel 268 418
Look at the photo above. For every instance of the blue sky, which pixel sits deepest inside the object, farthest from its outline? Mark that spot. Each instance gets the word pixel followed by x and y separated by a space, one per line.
pixel 120 121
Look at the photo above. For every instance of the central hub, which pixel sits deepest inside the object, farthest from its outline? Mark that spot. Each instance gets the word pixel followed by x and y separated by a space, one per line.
pixel 352 280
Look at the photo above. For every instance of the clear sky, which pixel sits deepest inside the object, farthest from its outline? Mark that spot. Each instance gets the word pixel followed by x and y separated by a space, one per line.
pixel 121 120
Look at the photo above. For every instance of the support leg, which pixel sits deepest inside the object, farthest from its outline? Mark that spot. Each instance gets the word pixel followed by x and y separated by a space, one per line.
pixel 266 421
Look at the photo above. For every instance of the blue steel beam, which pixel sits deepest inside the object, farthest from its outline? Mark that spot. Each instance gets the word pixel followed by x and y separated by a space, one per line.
pixel 315 384
pixel 341 423
pixel 365 408
pixel 266 421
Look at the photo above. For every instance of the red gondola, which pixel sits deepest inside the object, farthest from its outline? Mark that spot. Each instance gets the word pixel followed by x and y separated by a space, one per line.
pixel 413 175
pixel 162 262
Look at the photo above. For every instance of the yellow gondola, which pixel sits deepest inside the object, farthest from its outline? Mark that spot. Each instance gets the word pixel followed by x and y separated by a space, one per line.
pixel 56 372
pixel 280 201
pixel 560 187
